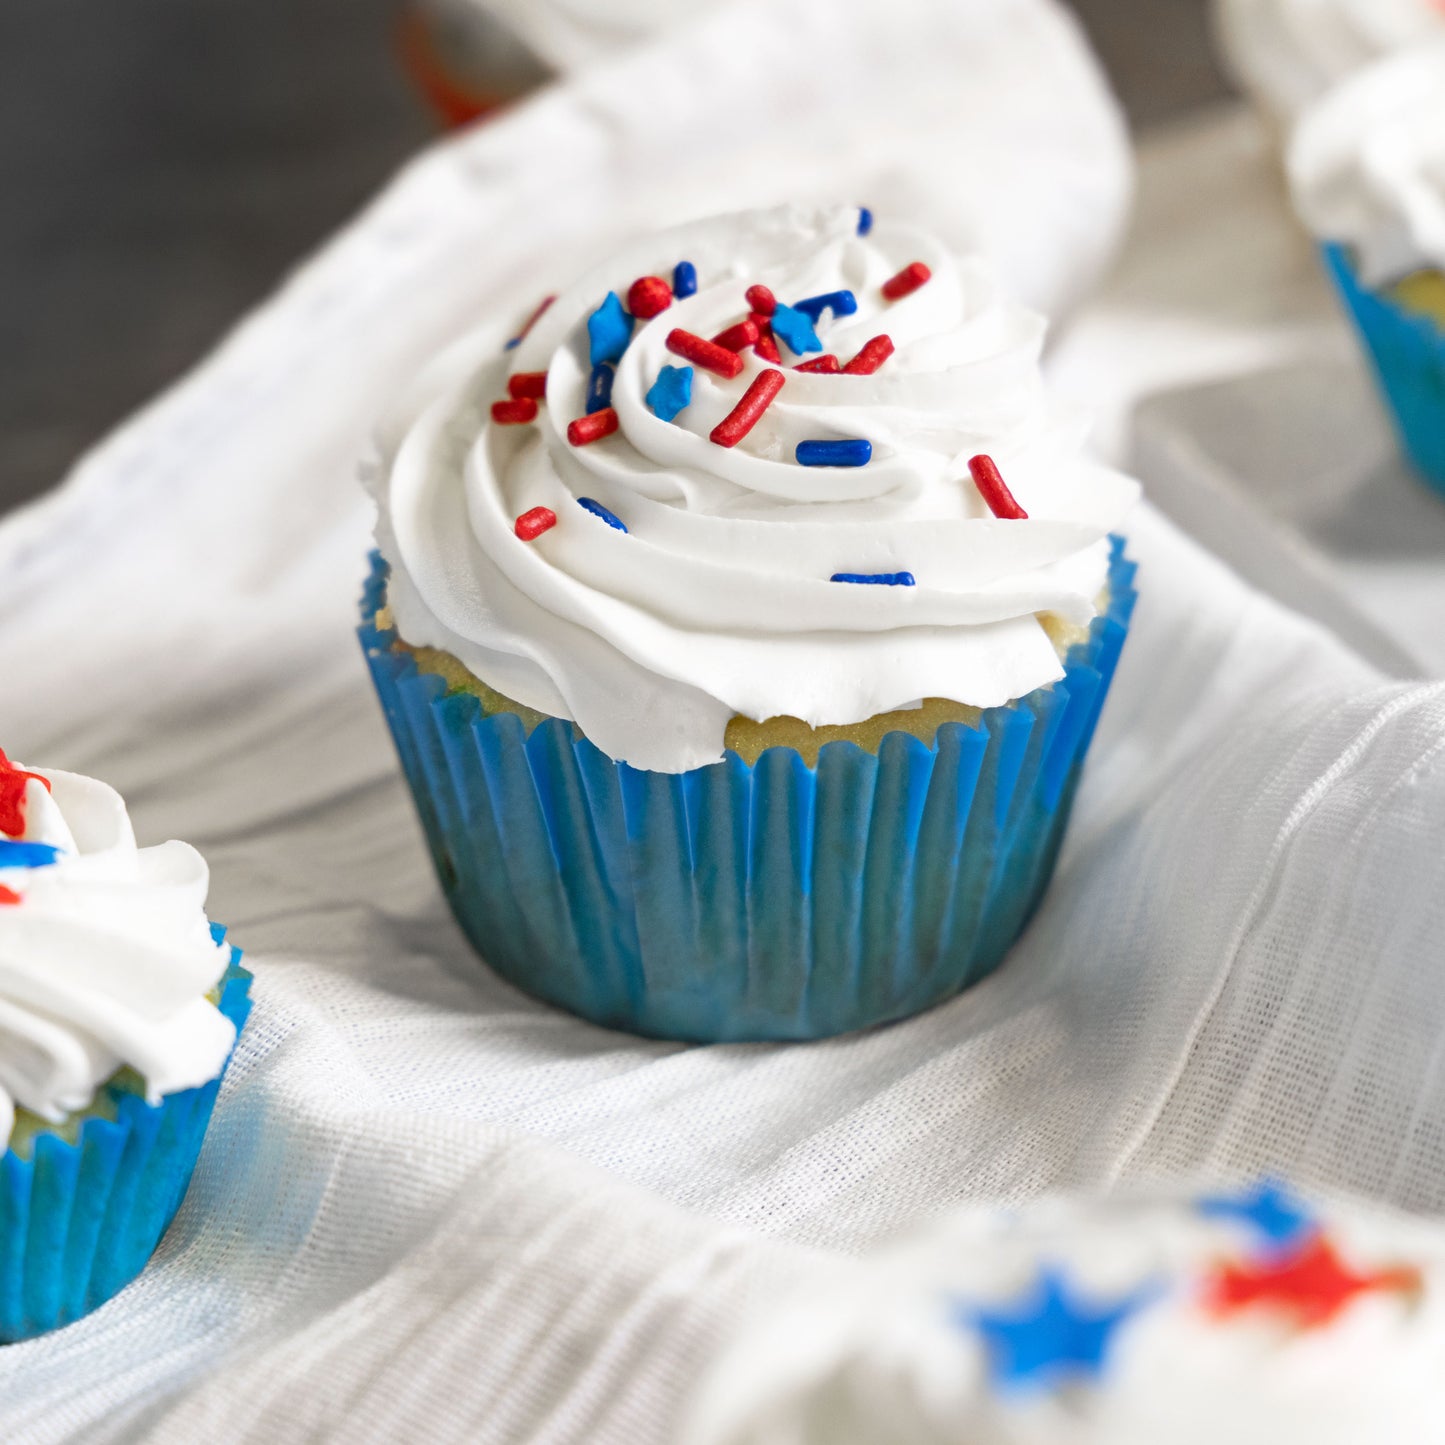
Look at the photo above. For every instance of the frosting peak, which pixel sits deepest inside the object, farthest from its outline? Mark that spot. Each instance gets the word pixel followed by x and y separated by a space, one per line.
pixel 716 596
pixel 1293 51
pixel 1367 165
pixel 105 952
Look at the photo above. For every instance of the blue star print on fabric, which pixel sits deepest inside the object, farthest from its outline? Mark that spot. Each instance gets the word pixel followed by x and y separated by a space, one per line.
pixel 1282 1220
pixel 671 392
pixel 609 329
pixel 794 330
pixel 1051 1335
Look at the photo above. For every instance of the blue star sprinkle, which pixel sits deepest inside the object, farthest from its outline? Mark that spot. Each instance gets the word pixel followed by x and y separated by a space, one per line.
pixel 26 855
pixel 795 330
pixel 609 329
pixel 671 392
pixel 865 220
pixel 684 279
pixel 1050 1336
pixel 598 510
pixel 1282 1220
pixel 840 303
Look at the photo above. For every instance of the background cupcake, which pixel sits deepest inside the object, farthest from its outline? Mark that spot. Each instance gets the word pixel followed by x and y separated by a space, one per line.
pixel 1249 1315
pixel 119 1007
pixel 742 627
pixel 1367 168
pixel 1288 53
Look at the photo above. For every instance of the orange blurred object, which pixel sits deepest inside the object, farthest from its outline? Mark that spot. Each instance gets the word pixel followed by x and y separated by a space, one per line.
pixel 463 63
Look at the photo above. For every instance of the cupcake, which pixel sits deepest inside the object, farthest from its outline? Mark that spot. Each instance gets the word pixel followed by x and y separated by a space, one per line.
pixel 742 628
pixel 1367 168
pixel 1287 53
pixel 119 1007
pixel 1247 1315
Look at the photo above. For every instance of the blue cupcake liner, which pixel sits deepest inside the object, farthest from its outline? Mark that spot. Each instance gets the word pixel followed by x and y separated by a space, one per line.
pixel 1407 351
pixel 736 901
pixel 79 1221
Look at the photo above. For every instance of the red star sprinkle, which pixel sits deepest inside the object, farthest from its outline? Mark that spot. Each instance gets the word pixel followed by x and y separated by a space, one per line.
pixel 8 895
pixel 1313 1284
pixel 12 797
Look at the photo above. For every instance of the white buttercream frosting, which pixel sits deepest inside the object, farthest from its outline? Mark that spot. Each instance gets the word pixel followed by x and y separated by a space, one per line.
pixel 717 601
pixel 105 957
pixel 1367 165
pixel 892 1352
pixel 1290 52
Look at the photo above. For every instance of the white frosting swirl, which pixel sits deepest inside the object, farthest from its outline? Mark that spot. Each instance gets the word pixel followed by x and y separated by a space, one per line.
pixel 890 1350
pixel 1290 52
pixel 105 960
pixel 717 601
pixel 1367 166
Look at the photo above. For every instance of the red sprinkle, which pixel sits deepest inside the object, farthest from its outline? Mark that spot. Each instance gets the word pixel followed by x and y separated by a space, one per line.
pixel 513 413
pixel 766 348
pixel 706 354
pixel 12 796
pixel 761 300
pixel 827 362
pixel 873 354
pixel 744 416
pixel 909 279
pixel 992 489
pixel 531 525
pixel 735 338
pixel 8 895
pixel 594 427
pixel 648 296
pixel 528 383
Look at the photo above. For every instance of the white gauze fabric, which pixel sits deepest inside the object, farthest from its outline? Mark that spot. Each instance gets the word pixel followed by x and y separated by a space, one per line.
pixel 430 1208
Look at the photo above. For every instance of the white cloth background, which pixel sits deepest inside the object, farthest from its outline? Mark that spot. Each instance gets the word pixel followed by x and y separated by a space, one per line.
pixel 432 1209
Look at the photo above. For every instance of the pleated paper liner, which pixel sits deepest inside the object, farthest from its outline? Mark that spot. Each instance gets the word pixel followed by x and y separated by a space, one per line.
pixel 1407 351
pixel 79 1221
pixel 731 902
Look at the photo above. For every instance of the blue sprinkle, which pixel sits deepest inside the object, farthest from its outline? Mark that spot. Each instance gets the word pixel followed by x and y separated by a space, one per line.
pixel 599 387
pixel 512 345
pixel 684 279
pixel 840 303
pixel 795 329
pixel 609 329
pixel 850 452
pixel 876 579
pixel 26 855
pixel 865 220
pixel 670 392
pixel 598 510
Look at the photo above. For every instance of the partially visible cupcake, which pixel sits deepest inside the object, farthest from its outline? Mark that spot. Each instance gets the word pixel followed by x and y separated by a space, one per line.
pixel 1248 1315
pixel 1288 53
pixel 119 1008
pixel 742 629
pixel 1367 167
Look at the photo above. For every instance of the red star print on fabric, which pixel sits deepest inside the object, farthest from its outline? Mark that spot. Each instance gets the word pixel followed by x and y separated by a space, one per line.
pixel 12 797
pixel 1313 1284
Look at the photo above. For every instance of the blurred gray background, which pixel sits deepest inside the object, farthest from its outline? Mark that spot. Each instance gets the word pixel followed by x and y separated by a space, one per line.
pixel 164 162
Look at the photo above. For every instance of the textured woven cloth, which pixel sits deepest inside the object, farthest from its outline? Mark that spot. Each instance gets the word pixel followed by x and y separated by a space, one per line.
pixel 430 1208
